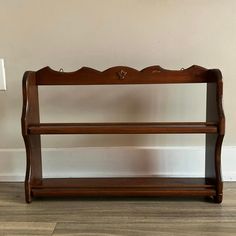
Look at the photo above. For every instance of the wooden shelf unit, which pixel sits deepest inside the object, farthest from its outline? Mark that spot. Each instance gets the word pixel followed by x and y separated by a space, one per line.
pixel 214 128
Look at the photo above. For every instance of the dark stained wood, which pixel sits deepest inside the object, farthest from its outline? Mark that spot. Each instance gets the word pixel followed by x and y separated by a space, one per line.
pixel 213 127
pixel 215 113
pixel 124 187
pixel 128 182
pixel 123 128
pixel 149 75
pixel 30 115
pixel 121 192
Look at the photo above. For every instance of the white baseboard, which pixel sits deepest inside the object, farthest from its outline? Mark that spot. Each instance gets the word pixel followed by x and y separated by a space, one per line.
pixel 117 162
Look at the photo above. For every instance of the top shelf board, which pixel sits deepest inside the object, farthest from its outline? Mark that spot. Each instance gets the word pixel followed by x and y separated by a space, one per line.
pixel 126 75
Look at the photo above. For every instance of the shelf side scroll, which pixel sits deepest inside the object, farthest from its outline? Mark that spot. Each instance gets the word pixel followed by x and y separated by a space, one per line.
pixel 215 113
pixel 30 115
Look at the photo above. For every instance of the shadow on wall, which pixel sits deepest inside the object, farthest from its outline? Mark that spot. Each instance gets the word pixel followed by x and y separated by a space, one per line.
pixel 102 162
pixel 99 104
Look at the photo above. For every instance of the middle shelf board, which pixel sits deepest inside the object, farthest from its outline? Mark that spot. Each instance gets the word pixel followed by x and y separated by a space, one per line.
pixel 124 128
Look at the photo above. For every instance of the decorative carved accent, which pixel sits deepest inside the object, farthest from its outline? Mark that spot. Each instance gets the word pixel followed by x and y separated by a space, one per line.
pixel 122 74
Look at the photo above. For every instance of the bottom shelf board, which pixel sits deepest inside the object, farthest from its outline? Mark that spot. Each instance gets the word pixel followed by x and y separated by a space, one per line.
pixel 123 187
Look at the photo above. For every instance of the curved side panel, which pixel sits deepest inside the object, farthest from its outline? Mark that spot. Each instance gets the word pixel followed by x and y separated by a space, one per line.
pixel 28 197
pixel 215 113
pixel 219 182
pixel 25 107
pixel 30 115
pixel 24 127
pixel 220 110
pixel 30 110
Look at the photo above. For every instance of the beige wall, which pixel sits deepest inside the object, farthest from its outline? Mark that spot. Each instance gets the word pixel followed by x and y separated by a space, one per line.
pixel 104 33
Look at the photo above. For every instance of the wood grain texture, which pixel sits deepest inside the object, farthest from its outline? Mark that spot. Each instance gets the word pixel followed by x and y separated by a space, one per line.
pixel 116 216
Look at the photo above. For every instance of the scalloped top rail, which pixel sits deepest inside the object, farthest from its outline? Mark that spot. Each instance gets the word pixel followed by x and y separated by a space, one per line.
pixel 127 75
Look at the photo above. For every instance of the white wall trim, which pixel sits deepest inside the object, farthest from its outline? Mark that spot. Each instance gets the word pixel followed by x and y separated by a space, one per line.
pixel 172 161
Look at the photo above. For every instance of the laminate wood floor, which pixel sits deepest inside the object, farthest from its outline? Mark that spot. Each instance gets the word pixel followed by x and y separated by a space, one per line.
pixel 116 216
